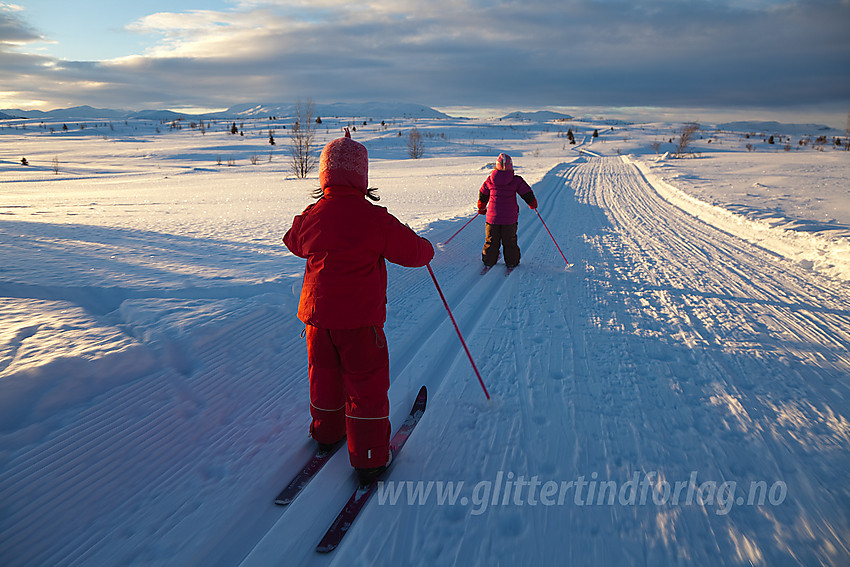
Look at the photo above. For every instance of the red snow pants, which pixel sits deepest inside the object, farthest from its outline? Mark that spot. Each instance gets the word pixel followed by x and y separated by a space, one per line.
pixel 349 379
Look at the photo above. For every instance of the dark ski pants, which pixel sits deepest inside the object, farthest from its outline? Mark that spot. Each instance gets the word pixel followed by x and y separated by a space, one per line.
pixel 349 379
pixel 496 236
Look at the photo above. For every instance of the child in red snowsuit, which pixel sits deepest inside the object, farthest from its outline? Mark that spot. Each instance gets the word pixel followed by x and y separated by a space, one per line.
pixel 497 200
pixel 346 240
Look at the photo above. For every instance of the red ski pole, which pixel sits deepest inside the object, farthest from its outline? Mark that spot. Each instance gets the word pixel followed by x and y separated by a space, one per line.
pixel 552 237
pixel 461 228
pixel 463 342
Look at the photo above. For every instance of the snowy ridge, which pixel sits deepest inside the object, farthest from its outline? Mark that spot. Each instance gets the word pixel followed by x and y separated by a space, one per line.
pixel 812 251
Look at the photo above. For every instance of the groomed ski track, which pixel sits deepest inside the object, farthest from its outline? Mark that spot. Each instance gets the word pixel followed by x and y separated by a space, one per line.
pixel 670 347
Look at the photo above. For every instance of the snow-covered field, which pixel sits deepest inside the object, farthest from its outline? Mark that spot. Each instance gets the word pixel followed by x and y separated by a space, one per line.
pixel 679 396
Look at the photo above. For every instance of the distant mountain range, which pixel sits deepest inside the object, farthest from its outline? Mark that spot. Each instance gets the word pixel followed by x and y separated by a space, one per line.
pixel 538 116
pixel 374 110
pixel 368 110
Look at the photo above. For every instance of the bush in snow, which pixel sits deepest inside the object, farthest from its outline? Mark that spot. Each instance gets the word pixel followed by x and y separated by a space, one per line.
pixel 415 145
pixel 686 136
pixel 301 138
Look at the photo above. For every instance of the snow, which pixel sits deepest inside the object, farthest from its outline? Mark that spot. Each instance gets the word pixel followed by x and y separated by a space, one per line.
pixel 153 395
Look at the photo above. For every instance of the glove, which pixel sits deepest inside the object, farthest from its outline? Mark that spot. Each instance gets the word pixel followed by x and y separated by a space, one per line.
pixel 533 204
pixel 482 208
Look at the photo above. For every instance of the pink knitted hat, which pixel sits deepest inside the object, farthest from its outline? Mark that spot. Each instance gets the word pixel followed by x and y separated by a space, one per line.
pixel 503 162
pixel 344 162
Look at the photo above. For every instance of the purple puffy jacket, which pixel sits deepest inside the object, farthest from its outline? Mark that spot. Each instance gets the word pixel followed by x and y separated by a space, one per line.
pixel 499 192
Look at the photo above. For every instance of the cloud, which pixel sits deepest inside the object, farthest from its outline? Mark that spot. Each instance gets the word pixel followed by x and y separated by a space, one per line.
pixel 471 52
pixel 13 29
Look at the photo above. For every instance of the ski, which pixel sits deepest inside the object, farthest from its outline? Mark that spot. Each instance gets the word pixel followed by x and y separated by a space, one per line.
pixel 487 268
pixel 509 270
pixel 306 474
pixel 361 495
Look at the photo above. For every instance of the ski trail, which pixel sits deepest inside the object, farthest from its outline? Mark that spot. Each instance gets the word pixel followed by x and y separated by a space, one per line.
pixel 671 349
pixel 425 350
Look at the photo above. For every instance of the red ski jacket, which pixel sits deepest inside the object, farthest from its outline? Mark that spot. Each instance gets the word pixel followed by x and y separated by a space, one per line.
pixel 345 240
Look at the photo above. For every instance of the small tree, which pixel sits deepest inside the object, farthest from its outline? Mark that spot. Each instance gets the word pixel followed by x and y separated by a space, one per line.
pixel 415 145
pixel 686 136
pixel 301 139
pixel 271 137
pixel 847 131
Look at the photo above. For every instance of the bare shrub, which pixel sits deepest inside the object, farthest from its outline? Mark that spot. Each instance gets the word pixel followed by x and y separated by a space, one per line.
pixel 302 139
pixel 415 145
pixel 686 136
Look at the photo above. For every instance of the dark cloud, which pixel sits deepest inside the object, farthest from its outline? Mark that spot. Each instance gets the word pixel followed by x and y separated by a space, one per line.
pixel 532 53
pixel 13 29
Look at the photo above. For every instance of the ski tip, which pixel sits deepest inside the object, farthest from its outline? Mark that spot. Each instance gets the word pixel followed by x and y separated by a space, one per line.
pixel 325 548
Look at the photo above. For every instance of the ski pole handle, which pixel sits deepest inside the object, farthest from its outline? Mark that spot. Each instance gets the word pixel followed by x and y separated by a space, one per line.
pixel 552 237
pixel 461 228
pixel 457 329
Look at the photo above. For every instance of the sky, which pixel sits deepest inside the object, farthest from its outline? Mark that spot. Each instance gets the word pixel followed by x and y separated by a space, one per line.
pixel 770 59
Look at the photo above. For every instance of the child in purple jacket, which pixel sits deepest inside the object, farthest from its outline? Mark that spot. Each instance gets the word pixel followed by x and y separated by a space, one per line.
pixel 497 200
